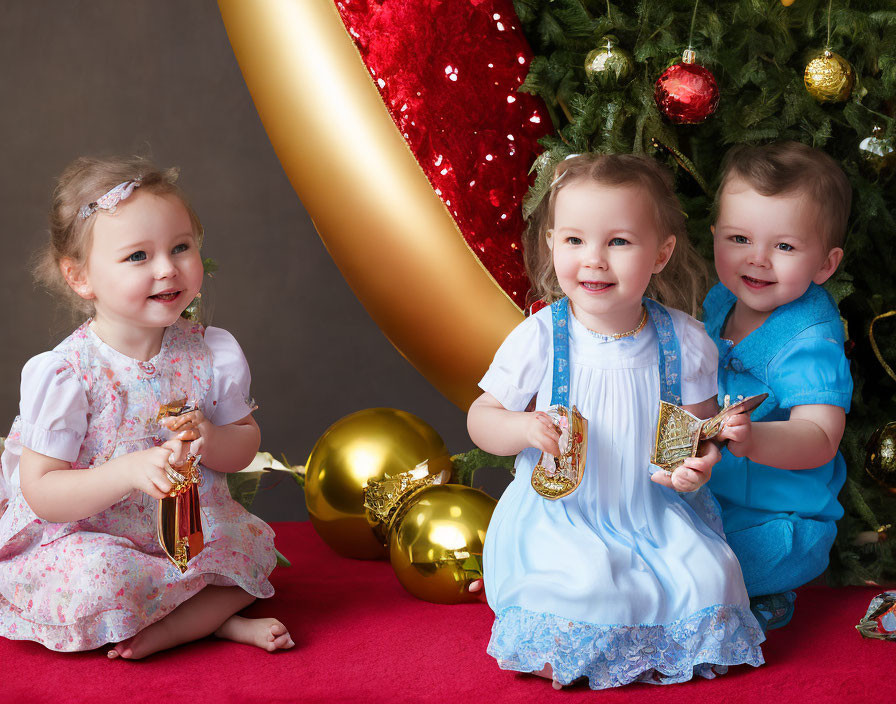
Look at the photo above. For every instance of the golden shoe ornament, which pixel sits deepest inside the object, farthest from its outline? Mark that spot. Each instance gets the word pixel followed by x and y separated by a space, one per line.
pixel 556 477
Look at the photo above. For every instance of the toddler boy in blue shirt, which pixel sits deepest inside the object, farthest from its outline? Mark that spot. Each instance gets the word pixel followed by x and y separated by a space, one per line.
pixel 781 214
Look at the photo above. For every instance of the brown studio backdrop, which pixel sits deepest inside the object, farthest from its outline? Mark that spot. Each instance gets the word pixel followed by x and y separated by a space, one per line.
pixel 158 77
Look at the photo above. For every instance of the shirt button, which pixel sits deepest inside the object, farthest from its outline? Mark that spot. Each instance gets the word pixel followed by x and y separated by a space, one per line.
pixel 736 364
pixel 147 368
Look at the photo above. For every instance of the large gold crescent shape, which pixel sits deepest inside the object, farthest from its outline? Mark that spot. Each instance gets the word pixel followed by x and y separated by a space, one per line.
pixel 386 229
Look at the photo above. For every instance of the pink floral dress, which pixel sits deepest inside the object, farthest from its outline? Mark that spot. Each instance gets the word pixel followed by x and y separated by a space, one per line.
pixel 76 586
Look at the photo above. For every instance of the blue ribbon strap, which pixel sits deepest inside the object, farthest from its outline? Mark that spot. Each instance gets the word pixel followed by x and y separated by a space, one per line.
pixel 560 319
pixel 667 344
pixel 669 352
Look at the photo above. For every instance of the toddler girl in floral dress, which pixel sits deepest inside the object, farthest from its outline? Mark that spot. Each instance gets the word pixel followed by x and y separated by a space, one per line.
pixel 87 459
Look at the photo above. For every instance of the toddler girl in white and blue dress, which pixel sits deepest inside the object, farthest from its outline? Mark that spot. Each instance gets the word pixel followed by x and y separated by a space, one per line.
pixel 625 579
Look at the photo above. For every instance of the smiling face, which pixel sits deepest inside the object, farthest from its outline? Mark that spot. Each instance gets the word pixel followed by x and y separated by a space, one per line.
pixel 143 268
pixel 769 249
pixel 605 246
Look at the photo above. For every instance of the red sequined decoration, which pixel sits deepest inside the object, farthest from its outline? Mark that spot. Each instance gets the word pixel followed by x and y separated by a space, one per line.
pixel 686 93
pixel 448 72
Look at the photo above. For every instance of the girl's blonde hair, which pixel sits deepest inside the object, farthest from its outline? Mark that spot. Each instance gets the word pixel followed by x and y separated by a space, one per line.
pixel 83 182
pixel 683 281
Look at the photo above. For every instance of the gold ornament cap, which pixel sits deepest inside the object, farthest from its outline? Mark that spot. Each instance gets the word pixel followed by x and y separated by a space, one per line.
pixel 384 497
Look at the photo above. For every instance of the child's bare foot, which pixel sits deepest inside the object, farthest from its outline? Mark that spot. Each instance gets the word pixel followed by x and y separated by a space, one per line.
pixel 548 673
pixel 266 633
pixel 151 639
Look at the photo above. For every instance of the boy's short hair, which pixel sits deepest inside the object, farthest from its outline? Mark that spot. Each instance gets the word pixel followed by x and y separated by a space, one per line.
pixel 782 168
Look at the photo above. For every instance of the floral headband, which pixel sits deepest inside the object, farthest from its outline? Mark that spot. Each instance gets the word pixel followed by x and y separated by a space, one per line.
pixel 110 199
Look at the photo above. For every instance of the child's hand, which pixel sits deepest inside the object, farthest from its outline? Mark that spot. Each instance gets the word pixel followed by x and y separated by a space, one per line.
pixel 151 470
pixel 694 472
pixel 186 426
pixel 541 433
pixel 738 431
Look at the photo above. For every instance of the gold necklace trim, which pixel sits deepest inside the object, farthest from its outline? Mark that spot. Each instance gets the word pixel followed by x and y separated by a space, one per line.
pixel 630 333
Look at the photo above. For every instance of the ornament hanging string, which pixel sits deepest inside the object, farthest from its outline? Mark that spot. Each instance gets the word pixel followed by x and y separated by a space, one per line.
pixel 693 18
pixel 828 44
pixel 874 346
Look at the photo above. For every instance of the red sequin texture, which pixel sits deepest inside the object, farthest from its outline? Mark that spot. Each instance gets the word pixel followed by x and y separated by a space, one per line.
pixel 448 71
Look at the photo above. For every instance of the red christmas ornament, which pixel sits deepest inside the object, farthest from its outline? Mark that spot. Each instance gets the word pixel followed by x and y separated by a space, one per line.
pixel 686 93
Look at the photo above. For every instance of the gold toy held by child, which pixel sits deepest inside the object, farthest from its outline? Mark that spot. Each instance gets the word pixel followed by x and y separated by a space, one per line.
pixel 679 433
pixel 180 522
pixel 556 477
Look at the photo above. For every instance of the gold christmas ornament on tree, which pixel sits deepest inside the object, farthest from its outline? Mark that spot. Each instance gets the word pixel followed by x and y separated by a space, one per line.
pixel 435 545
pixel 369 444
pixel 878 153
pixel 880 460
pixel 829 78
pixel 608 63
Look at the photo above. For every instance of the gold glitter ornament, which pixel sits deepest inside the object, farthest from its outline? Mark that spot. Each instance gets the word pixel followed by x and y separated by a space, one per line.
pixel 829 78
pixel 368 444
pixel 608 63
pixel 880 460
pixel 435 545
pixel 878 153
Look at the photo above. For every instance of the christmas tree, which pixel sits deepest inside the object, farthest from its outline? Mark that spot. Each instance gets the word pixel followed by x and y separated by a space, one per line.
pixel 751 58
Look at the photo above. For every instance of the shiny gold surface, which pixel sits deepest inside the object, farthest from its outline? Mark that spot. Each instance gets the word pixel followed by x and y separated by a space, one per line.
pixel 365 445
pixel 677 437
pixel 829 78
pixel 608 62
pixel 880 460
pixel 435 546
pixel 388 232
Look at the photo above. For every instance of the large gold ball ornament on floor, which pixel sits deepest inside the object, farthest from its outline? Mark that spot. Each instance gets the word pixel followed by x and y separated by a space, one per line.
pixel 365 445
pixel 435 545
pixel 880 460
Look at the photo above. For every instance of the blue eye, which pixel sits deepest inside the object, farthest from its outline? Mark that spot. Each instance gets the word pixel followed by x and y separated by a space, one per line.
pixel 574 240
pixel 618 241
pixel 740 239
pixel 180 248
pixel 138 256
pixel 784 247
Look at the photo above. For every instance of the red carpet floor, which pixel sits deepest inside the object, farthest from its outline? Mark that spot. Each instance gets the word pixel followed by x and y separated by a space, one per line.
pixel 361 638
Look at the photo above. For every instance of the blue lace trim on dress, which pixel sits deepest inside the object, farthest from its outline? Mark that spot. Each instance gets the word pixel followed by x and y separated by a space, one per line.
pixel 610 656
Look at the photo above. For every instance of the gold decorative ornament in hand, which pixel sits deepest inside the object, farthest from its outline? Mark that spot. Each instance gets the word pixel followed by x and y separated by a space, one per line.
pixel 179 517
pixel 556 477
pixel 679 433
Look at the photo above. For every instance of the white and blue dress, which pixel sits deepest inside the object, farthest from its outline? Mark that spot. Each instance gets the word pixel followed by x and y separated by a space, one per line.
pixel 622 580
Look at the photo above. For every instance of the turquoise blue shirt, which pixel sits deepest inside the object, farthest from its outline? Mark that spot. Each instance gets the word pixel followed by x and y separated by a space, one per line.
pixel 796 357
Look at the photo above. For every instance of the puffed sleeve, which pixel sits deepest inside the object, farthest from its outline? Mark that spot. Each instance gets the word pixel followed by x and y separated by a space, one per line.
pixel 699 362
pixel 520 363
pixel 229 399
pixel 53 408
pixel 811 369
